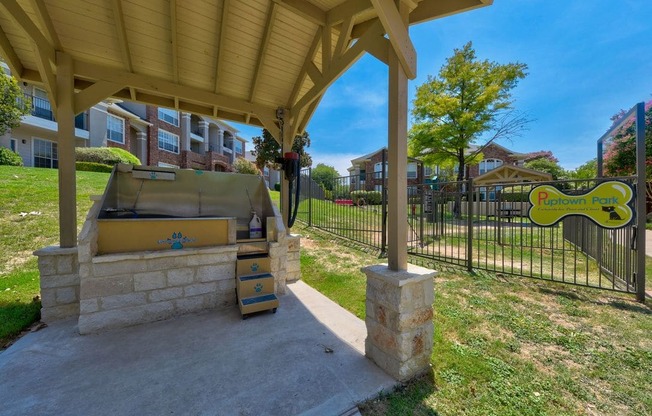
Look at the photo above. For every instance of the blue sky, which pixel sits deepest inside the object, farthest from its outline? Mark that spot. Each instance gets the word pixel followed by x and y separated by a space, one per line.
pixel 586 60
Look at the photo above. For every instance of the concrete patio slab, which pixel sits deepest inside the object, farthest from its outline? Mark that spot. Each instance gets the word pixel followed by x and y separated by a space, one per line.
pixel 212 363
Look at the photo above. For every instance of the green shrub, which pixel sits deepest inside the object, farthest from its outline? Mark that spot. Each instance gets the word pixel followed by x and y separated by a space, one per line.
pixel 370 197
pixel 341 192
pixel 514 196
pixel 105 155
pixel 9 158
pixel 277 186
pixel 246 167
pixel 93 167
pixel 328 195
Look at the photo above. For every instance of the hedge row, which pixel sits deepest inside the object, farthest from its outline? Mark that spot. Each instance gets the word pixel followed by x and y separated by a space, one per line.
pixel 93 167
pixel 105 155
pixel 369 197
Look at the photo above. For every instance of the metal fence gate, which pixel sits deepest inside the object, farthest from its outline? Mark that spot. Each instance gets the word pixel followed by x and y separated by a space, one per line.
pixel 482 228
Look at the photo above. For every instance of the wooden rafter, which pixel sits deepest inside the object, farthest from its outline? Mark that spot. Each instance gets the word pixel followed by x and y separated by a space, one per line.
pixel 305 9
pixel 44 17
pixel 92 95
pixel 121 33
pixel 9 54
pixel 262 50
pixel 163 88
pixel 349 8
pixel 220 44
pixel 43 49
pixel 340 65
pixel 316 40
pixel 174 44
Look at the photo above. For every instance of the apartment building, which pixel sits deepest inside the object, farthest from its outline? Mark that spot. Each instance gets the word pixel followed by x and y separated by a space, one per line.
pixel 157 136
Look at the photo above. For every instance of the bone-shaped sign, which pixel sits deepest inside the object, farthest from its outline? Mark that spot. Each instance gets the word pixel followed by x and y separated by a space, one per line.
pixel 606 205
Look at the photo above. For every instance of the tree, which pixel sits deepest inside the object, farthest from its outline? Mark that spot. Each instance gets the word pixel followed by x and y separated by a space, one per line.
pixel 267 149
pixel 325 176
pixel 13 103
pixel 548 166
pixel 620 156
pixel 547 154
pixel 468 100
pixel 244 166
pixel 588 170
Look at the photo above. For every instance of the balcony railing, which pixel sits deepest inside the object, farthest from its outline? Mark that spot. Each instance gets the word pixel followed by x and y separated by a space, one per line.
pixel 41 108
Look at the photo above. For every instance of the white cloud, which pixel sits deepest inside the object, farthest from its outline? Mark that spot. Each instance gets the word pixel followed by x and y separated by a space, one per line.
pixel 340 161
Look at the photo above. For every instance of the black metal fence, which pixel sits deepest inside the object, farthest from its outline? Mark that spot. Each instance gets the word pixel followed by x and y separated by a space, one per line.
pixel 482 227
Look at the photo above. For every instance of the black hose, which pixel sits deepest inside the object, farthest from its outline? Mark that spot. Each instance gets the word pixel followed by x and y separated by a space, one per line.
pixel 292 216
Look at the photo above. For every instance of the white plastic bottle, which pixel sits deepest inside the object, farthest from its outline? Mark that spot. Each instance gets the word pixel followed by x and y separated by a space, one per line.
pixel 255 226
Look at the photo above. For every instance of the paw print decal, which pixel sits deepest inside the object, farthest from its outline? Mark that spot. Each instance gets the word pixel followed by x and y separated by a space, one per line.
pixel 258 288
pixel 254 267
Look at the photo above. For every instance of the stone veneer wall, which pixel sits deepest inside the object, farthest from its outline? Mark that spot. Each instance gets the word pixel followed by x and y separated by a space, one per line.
pixel 119 290
pixel 293 259
pixel 59 271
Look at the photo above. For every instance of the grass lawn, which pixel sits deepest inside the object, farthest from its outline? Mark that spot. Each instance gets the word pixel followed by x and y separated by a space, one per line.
pixel 29 221
pixel 508 346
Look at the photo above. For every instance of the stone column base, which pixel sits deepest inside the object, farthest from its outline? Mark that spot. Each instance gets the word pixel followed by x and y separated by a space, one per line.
pixel 59 270
pixel 399 319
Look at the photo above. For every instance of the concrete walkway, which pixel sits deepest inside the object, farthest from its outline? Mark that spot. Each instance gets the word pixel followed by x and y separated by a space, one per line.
pixel 213 363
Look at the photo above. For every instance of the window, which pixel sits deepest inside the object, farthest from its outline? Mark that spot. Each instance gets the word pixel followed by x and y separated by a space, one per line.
pixel 45 154
pixel 12 145
pixel 363 176
pixel 489 164
pixel 169 116
pixel 427 171
pixel 238 146
pixel 378 188
pixel 378 170
pixel 412 170
pixel 491 194
pixel 168 141
pixel 115 129
pixel 41 105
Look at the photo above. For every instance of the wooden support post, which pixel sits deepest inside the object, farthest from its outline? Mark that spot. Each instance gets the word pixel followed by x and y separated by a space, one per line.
pixel 66 150
pixel 397 144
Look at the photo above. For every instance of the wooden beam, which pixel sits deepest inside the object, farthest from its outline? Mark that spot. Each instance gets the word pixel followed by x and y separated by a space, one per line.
pixel 46 21
pixel 340 65
pixel 345 36
pixel 166 89
pixel 349 8
pixel 220 44
pixel 174 43
pixel 47 75
pixel 262 49
pixel 398 33
pixel 326 48
pixel 380 50
pixel 304 69
pixel 436 9
pixel 92 95
pixel 121 32
pixel 9 55
pixel 304 9
pixel 313 72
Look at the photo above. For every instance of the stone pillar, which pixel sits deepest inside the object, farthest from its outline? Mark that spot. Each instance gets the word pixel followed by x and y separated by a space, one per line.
pixel 220 141
pixel 185 131
pixel 399 319
pixel 203 130
pixel 141 145
pixel 59 271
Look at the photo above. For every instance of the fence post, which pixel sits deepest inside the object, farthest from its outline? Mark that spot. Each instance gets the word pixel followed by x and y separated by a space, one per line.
pixel 640 202
pixel 310 197
pixel 383 189
pixel 469 214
